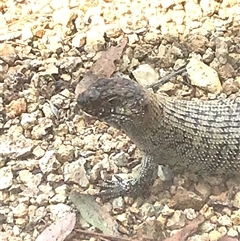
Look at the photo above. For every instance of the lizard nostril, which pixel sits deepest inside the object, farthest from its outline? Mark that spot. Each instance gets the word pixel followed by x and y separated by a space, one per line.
pixel 82 99
pixel 88 97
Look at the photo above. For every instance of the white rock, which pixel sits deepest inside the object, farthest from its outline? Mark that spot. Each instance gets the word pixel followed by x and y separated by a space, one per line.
pixel 52 68
pixel 59 198
pixel 177 221
pixel 190 213
pixel 232 232
pixel 30 192
pixel 40 130
pixel 40 213
pixel 94 40
pixel 225 221
pixel 236 200
pixel 112 30
pixel 193 11
pixel 145 74
pixel 47 189
pixel 47 111
pixel 63 189
pixel 208 7
pixel 93 15
pixel 31 94
pixel 59 210
pixel 6 177
pixel 29 120
pixel 25 176
pixel 48 162
pixel 75 172
pixel 65 153
pixel 167 3
pixel 38 152
pixel 16 230
pixel 207 226
pixel 20 210
pixel 179 63
pixel 29 179
pixel 166 211
pixel 79 40
pixel 54 178
pixel 56 4
pixel 27 33
pixel 214 235
pixel 42 199
pixel 133 38
pixel 203 76
pixel 147 210
pixel 178 17
pixel 3 22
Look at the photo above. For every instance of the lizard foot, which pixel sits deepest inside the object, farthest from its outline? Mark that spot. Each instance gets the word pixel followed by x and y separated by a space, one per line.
pixel 131 187
pixel 121 187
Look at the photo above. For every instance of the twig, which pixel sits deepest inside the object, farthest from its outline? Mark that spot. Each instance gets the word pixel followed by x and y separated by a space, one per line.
pixel 109 237
pixel 166 78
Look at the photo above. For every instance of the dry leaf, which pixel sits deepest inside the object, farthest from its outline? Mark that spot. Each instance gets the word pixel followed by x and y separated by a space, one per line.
pixel 227 238
pixel 93 213
pixel 103 67
pixel 187 231
pixel 59 230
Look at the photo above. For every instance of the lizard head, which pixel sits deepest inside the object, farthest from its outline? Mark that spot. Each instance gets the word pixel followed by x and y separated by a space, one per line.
pixel 116 101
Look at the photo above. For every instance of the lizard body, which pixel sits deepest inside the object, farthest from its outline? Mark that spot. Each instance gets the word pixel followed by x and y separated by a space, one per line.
pixel 203 136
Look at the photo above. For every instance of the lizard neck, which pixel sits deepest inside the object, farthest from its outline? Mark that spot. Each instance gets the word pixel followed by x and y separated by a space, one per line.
pixel 142 129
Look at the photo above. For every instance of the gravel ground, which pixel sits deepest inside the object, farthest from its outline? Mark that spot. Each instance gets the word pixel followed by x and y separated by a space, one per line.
pixel 48 150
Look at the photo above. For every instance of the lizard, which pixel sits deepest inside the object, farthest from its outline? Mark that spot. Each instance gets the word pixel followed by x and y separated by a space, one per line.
pixel 200 135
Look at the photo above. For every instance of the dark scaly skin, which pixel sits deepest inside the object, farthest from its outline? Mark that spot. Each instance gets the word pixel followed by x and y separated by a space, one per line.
pixel 203 136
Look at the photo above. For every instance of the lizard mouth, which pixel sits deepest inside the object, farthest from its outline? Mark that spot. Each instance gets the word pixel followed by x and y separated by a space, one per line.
pixel 115 112
pixel 103 113
pixel 110 116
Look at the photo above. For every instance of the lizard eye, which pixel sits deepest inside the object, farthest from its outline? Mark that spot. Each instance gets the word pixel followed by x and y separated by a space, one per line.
pixel 113 101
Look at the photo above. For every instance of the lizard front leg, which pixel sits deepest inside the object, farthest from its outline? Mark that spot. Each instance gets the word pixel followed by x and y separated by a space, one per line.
pixel 131 187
